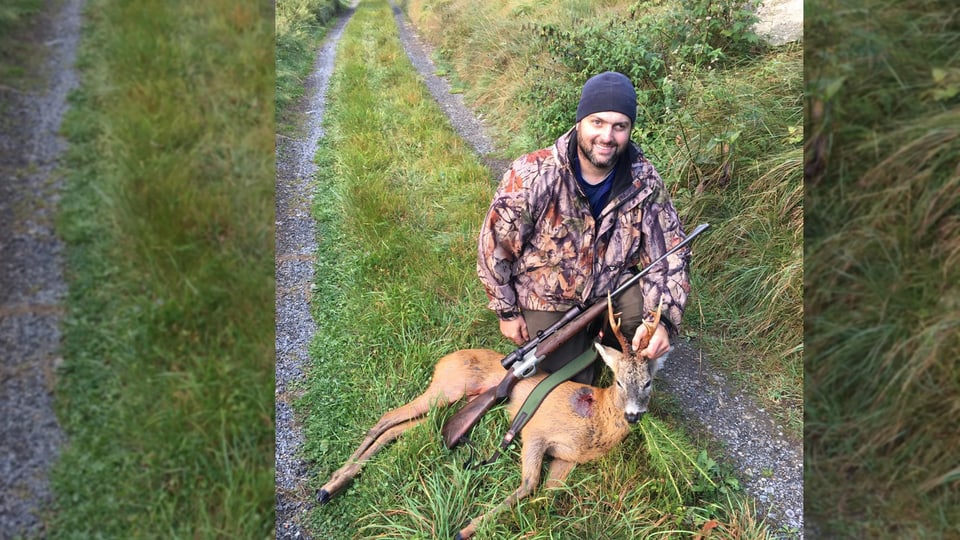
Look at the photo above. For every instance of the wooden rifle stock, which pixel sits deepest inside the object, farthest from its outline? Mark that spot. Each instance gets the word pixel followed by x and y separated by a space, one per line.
pixel 458 425
pixel 575 320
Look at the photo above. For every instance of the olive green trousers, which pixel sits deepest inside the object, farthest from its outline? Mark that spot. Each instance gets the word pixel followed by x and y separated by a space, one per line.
pixel 630 307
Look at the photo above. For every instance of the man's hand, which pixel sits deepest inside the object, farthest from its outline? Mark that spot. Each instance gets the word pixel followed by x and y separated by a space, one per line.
pixel 515 330
pixel 659 343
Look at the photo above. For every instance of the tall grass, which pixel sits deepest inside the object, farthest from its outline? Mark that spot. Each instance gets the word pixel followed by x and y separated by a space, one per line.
pixel 166 390
pixel 399 202
pixel 15 14
pixel 720 118
pixel 16 46
pixel 883 317
pixel 299 26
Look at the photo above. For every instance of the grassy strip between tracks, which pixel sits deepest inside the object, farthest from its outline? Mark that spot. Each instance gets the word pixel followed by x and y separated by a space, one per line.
pixel 399 200
pixel 167 383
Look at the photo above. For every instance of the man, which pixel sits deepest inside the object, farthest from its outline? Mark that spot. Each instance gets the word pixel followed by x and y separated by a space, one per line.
pixel 571 222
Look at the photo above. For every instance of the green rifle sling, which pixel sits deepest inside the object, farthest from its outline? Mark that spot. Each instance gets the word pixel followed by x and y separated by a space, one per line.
pixel 539 393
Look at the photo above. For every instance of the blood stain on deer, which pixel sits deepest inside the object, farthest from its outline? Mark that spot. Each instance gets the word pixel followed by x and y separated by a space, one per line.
pixel 582 402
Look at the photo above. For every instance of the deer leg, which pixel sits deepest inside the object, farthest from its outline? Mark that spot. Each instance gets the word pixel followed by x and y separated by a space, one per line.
pixel 391 425
pixel 415 409
pixel 387 429
pixel 531 459
pixel 558 471
pixel 339 479
pixel 450 382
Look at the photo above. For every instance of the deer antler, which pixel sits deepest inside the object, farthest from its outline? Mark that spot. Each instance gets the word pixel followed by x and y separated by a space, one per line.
pixel 615 327
pixel 651 326
pixel 624 342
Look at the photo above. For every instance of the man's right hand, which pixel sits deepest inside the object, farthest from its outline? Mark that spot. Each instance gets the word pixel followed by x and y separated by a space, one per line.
pixel 515 330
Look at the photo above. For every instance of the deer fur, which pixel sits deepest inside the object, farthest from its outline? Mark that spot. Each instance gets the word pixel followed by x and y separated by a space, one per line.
pixel 593 420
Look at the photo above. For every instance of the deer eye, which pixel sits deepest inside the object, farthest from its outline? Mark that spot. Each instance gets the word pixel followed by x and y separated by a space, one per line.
pixel 619 384
pixel 648 384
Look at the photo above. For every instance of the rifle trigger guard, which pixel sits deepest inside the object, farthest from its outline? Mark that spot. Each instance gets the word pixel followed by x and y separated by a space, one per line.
pixel 527 365
pixel 527 372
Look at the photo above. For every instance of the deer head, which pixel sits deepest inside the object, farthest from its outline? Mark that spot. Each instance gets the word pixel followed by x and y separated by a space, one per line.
pixel 633 374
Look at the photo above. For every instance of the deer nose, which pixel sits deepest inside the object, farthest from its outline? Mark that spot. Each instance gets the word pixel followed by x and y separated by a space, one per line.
pixel 633 417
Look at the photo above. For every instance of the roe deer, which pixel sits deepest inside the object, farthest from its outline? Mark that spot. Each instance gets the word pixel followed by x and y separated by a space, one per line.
pixel 576 423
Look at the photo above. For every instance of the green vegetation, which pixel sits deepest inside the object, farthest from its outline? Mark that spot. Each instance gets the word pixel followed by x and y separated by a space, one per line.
pixel 720 118
pixel 882 253
pixel 14 16
pixel 398 215
pixel 299 26
pixel 166 391
pixel 17 49
pixel 16 12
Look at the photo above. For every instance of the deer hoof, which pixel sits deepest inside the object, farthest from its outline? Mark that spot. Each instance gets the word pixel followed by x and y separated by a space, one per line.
pixel 323 496
pixel 460 535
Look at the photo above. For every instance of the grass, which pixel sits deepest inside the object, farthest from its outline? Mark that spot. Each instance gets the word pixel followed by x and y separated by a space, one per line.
pixel 748 306
pixel 17 47
pixel 882 312
pixel 16 12
pixel 398 218
pixel 166 389
pixel 300 24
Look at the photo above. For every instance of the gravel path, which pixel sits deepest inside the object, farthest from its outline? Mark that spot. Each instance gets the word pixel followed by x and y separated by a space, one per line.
pixel 32 288
pixel 769 462
pixel 464 121
pixel 296 246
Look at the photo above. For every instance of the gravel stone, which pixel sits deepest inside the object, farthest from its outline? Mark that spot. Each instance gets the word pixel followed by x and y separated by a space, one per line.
pixel 32 288
pixel 781 21
pixel 769 462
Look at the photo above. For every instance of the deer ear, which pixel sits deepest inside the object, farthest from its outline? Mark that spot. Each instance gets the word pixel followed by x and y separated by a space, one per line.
pixel 610 356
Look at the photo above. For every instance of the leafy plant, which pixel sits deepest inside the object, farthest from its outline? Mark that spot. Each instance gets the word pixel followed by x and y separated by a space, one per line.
pixel 654 48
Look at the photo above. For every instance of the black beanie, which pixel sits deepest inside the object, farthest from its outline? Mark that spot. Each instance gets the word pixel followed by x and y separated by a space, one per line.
pixel 608 91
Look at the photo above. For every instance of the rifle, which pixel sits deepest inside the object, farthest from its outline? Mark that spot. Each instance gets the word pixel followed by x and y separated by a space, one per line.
pixel 525 359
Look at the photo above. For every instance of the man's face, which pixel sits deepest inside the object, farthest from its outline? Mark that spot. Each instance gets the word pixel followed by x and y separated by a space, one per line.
pixel 602 137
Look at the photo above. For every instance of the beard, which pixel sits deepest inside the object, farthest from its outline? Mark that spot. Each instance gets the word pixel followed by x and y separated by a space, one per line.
pixel 595 160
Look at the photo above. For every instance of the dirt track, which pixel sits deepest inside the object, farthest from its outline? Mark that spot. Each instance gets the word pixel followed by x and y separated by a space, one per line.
pixel 296 245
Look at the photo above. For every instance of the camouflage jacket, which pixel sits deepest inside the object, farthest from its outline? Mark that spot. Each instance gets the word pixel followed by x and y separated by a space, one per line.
pixel 541 249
